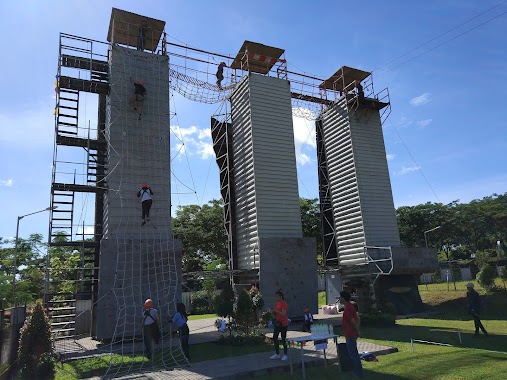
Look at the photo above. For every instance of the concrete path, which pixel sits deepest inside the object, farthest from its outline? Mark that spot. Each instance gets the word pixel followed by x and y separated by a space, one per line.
pixel 253 365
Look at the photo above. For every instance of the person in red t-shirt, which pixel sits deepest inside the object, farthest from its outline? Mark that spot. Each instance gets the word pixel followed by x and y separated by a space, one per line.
pixel 281 324
pixel 350 326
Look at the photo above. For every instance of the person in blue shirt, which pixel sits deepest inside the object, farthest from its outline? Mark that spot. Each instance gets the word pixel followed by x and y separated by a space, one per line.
pixel 180 321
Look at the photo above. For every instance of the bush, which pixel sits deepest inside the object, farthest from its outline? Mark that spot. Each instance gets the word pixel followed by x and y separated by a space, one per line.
pixel 486 276
pixel 200 302
pixel 242 340
pixel 224 305
pixel 35 354
pixel 503 275
pixel 244 313
pixel 377 318
pixel 266 317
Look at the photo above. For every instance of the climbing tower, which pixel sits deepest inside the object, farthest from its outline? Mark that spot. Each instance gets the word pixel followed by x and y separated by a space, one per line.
pixel 136 261
pixel 360 231
pixel 262 196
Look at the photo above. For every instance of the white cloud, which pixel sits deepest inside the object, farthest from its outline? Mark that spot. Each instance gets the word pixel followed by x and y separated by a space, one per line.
pixel 408 169
pixel 87 231
pixel 421 99
pixel 7 183
pixel 303 159
pixel 304 136
pixel 424 123
pixel 390 157
pixel 192 141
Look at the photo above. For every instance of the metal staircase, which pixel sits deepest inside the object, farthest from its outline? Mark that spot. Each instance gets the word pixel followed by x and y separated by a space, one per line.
pixel 221 133
pixel 80 69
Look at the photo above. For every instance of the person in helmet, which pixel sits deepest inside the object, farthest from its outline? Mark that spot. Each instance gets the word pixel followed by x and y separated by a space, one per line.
pixel 307 320
pixel 220 74
pixel 151 328
pixel 136 102
pixel 146 200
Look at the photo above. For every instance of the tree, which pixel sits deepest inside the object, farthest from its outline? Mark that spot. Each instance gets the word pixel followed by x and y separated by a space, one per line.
pixel 486 277
pixel 225 302
pixel 310 220
pixel 245 316
pixel 201 229
pixel 503 275
pixel 35 347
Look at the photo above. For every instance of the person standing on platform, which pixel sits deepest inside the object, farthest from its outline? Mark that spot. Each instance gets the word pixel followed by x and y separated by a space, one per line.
pixel 350 326
pixel 146 200
pixel 180 321
pixel 474 308
pixel 281 324
pixel 141 35
pixel 360 90
pixel 220 74
pixel 151 325
pixel 136 102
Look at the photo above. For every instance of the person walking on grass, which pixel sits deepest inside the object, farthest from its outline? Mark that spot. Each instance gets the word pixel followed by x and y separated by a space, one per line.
pixel 151 328
pixel 474 308
pixel 146 201
pixel 180 322
pixel 350 326
pixel 281 324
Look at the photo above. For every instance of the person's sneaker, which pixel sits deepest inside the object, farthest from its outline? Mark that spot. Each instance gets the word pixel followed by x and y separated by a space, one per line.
pixel 143 223
pixel 275 356
pixel 285 357
pixel 485 333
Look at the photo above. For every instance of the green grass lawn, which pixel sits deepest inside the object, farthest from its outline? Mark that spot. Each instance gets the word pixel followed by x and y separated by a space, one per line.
pixel 468 361
pixel 322 298
pixel 194 317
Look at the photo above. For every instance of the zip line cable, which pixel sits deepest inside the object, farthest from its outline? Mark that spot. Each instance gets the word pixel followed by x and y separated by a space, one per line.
pixel 441 44
pixel 415 162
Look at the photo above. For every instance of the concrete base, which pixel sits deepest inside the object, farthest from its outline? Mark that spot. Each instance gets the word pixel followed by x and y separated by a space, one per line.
pixel 145 268
pixel 289 264
pixel 401 291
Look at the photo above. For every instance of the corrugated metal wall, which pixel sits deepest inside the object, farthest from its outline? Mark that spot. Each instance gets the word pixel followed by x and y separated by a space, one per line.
pixel 363 206
pixel 379 214
pixel 267 197
pixel 350 237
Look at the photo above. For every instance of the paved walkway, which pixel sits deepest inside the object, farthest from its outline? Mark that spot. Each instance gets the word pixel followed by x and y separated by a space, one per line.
pixel 252 365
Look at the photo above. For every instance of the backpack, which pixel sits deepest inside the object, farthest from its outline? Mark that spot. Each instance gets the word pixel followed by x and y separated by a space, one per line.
pixel 155 331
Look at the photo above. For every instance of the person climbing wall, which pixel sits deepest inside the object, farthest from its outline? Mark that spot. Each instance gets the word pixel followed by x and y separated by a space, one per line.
pixel 146 200
pixel 136 102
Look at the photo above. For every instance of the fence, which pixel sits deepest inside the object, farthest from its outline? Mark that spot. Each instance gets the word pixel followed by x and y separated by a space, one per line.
pixel 451 274
pixel 11 321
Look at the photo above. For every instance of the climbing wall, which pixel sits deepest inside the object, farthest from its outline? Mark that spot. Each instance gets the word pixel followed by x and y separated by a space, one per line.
pixel 137 262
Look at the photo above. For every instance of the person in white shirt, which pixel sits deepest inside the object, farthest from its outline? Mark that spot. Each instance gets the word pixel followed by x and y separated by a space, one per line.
pixel 151 328
pixel 146 200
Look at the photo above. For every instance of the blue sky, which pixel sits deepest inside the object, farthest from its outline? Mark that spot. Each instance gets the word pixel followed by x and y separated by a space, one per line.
pixel 448 105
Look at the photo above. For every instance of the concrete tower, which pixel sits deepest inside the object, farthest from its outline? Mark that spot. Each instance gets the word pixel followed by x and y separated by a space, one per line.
pixel 136 262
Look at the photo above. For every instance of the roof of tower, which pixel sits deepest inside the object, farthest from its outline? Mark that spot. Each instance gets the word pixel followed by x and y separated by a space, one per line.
pixel 124 29
pixel 343 77
pixel 261 58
